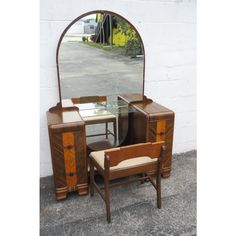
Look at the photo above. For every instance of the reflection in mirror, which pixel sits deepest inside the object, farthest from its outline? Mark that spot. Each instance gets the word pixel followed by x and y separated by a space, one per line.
pixel 101 54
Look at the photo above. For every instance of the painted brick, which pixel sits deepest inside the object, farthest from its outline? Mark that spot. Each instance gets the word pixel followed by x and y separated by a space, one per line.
pixel 184 146
pixel 48 77
pixel 172 88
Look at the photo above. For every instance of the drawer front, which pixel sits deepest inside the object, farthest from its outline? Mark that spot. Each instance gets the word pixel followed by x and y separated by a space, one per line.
pixel 69 159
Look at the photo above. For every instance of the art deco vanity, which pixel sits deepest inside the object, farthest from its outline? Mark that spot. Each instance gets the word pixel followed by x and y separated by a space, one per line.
pixel 102 102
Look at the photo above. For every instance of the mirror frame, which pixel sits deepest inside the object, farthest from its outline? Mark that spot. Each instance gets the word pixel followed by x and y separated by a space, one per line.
pixel 78 18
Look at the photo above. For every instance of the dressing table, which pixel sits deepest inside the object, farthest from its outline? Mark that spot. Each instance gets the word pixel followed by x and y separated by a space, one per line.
pixel 114 102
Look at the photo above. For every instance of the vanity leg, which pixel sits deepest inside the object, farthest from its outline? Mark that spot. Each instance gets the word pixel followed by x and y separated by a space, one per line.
pixel 82 189
pixel 166 173
pixel 61 193
pixel 114 131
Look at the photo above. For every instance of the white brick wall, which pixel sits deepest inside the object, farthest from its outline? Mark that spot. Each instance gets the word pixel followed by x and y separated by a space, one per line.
pixel 168 30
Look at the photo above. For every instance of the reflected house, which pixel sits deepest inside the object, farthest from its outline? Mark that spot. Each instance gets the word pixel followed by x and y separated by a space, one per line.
pixel 81 27
pixel 90 26
pixel 77 28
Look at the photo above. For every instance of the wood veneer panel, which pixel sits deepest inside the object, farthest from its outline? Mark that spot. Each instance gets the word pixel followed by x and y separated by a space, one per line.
pixel 161 130
pixel 151 122
pixel 80 153
pixel 166 165
pixel 69 159
pixel 58 160
pixel 68 149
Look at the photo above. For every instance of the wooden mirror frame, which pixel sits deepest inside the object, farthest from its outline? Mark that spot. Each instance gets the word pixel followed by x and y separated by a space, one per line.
pixel 78 18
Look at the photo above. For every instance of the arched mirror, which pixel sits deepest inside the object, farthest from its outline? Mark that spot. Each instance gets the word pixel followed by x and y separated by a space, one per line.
pixel 100 56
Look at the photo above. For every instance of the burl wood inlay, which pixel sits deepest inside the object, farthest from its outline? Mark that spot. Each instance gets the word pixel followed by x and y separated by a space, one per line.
pixel 69 159
pixel 161 130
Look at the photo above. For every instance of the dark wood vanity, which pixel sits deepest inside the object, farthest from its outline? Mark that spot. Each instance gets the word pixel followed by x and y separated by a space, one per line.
pixel 122 108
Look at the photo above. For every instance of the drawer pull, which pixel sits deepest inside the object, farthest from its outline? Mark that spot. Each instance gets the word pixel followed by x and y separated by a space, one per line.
pixel 69 147
pixel 161 133
pixel 71 174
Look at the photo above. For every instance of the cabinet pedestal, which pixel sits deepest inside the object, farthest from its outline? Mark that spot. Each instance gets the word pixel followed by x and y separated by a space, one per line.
pixel 150 122
pixel 68 151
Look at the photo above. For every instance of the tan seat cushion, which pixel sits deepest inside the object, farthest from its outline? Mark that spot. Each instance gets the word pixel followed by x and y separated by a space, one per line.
pixel 99 157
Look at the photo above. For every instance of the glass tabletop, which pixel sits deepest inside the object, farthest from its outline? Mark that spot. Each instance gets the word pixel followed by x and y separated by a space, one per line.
pixel 106 122
pixel 108 105
pixel 103 109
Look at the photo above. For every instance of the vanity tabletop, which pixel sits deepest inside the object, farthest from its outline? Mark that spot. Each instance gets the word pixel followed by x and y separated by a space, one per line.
pixel 62 118
pixel 147 106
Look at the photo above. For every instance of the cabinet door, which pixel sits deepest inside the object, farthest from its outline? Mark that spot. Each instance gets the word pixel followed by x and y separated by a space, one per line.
pixel 69 159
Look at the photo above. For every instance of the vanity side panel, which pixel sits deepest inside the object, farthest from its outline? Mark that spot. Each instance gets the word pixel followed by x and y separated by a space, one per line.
pixel 137 128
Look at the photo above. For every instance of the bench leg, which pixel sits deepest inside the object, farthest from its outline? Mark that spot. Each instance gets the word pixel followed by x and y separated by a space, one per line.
pixel 107 198
pixel 158 189
pixel 91 167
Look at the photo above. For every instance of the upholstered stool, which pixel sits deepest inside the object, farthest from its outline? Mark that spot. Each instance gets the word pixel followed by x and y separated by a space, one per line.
pixel 127 161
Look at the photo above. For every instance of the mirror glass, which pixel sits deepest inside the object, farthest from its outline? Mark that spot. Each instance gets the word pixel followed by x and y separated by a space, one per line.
pixel 100 54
